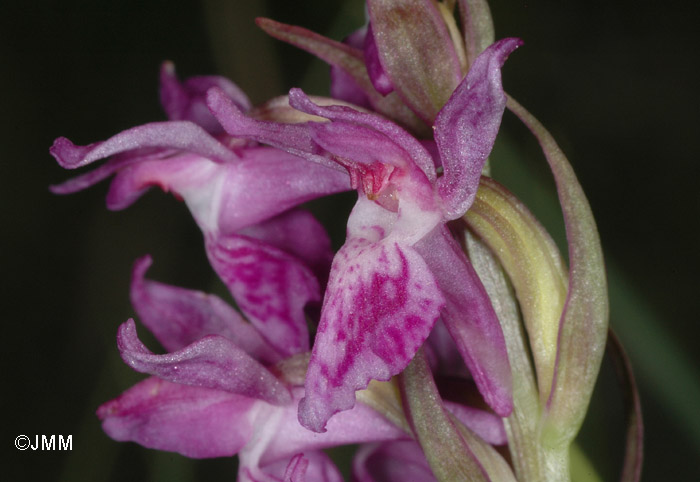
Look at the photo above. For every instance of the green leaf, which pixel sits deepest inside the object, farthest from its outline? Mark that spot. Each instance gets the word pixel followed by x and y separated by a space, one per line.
pixel 522 425
pixel 534 266
pixel 417 53
pixel 634 450
pixel 448 454
pixel 584 322
pixel 477 25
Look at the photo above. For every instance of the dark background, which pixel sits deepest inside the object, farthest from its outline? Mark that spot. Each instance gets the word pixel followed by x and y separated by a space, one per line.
pixel 614 81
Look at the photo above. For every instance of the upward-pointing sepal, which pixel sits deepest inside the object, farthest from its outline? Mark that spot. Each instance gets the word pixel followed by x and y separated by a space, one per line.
pixel 466 127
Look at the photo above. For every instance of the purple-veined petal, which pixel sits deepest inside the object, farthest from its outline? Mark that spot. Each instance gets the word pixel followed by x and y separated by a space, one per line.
pixel 350 60
pixel 416 52
pixel 298 233
pixel 470 318
pixel 195 422
pixel 179 317
pixel 270 286
pixel 180 135
pixel 401 138
pixel 396 461
pixel 186 100
pixel 211 362
pixel 379 307
pixel 377 74
pixel 466 127
pixel 486 425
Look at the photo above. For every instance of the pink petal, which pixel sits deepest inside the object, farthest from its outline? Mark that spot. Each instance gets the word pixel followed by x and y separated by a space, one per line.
pixel 318 468
pixel 343 85
pixel 379 307
pixel 230 196
pixel 313 466
pixel 279 438
pixel 179 135
pixel 398 461
pixel 368 121
pixel 178 317
pixel 298 233
pixel 187 100
pixel 377 74
pixel 466 127
pixel 191 177
pixel 270 286
pixel 361 424
pixel 294 138
pixel 195 422
pixel 485 424
pixel 470 319
pixel 84 181
pixel 296 469
pixel 442 353
pixel 212 362
pixel 269 182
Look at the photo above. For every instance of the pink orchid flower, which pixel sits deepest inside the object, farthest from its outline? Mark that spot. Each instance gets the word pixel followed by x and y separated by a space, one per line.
pixel 400 269
pixel 273 258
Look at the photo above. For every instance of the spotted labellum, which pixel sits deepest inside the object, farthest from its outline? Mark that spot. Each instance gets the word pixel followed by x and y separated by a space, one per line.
pixel 446 339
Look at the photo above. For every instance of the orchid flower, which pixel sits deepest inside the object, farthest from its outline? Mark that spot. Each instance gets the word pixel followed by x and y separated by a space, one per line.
pixel 223 389
pixel 272 257
pixel 450 324
pixel 406 64
pixel 399 269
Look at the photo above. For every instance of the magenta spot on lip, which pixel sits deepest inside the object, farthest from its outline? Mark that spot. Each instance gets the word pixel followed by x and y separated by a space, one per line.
pixel 373 322
pixel 269 286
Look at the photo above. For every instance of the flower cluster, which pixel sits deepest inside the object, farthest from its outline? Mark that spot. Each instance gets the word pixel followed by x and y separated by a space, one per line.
pixel 418 352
